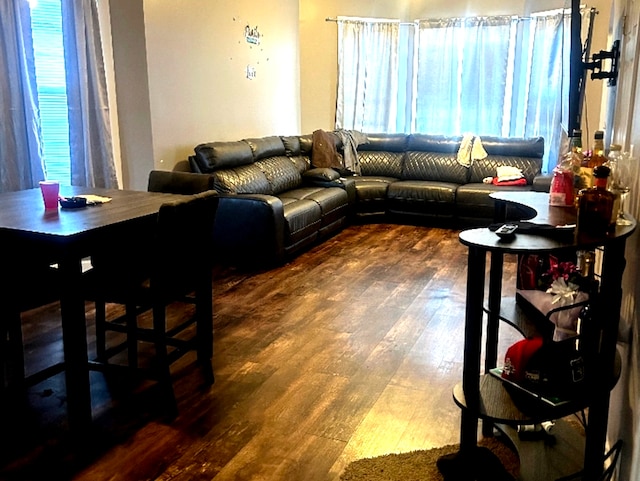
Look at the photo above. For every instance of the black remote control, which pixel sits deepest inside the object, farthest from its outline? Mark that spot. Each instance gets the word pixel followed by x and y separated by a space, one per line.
pixel 507 231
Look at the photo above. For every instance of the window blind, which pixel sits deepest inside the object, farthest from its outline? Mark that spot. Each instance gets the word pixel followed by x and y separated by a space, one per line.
pixel 46 29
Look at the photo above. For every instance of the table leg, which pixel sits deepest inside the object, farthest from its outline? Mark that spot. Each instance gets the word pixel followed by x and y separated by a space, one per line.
pixel 74 337
pixel 472 346
pixel 493 321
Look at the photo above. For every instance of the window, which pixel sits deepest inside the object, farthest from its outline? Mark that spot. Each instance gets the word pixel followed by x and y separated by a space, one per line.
pixel 496 76
pixel 46 31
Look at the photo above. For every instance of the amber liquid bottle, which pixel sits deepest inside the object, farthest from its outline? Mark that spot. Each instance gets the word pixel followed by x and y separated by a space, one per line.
pixel 597 152
pixel 596 204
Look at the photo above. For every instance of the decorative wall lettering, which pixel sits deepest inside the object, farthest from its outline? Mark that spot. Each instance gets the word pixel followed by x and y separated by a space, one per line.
pixel 252 35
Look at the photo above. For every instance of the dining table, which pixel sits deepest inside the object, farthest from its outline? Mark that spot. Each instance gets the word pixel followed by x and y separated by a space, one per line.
pixel 66 236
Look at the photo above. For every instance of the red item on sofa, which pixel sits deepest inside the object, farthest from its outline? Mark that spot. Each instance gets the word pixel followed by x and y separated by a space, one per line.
pixel 521 181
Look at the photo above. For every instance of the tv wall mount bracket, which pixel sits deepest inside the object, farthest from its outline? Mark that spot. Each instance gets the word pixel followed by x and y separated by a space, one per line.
pixel 597 63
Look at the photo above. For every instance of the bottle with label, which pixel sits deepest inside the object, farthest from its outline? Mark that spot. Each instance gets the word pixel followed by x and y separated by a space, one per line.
pixel 579 159
pixel 617 183
pixel 565 181
pixel 596 205
pixel 598 156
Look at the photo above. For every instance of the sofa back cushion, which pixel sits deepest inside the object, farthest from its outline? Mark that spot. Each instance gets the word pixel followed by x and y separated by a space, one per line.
pixel 281 173
pixel 291 145
pixel 381 163
pixel 437 166
pixel 264 147
pixel 221 155
pixel 434 157
pixel 246 179
pixel 384 143
pixel 523 153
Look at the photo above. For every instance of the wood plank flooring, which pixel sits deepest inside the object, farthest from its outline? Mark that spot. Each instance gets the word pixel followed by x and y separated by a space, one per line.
pixel 350 350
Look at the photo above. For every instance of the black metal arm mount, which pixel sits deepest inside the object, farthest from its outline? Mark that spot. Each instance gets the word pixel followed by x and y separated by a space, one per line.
pixel 596 64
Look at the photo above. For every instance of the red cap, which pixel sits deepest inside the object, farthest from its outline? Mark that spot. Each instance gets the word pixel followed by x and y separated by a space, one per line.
pixel 517 358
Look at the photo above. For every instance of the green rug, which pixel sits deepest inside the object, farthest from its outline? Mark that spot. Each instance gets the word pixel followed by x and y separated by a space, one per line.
pixel 421 465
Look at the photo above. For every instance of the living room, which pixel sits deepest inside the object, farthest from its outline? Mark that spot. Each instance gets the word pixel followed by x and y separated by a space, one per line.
pixel 304 75
pixel 168 100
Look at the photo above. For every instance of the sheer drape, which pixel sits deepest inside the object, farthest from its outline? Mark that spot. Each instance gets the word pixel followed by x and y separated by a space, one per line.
pixel 20 148
pixel 89 125
pixel 367 75
pixel 461 77
pixel 545 93
pixel 504 76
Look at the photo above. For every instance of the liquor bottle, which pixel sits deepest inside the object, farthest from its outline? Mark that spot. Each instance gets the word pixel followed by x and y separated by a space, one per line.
pixel 565 182
pixel 616 183
pixel 596 204
pixel 583 174
pixel 597 152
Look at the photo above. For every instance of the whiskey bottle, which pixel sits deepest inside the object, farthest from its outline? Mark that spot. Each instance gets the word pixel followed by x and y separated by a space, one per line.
pixel 598 156
pixel 566 183
pixel 596 204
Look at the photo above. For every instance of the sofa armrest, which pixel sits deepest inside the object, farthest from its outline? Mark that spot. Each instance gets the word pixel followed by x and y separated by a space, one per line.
pixel 175 182
pixel 542 182
pixel 327 177
pixel 249 229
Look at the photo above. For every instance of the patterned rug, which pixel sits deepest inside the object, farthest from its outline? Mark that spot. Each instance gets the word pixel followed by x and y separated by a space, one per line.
pixel 421 465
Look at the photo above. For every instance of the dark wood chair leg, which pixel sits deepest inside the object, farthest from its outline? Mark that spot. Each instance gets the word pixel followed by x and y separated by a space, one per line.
pixel 101 319
pixel 204 330
pixel 162 367
pixel 132 336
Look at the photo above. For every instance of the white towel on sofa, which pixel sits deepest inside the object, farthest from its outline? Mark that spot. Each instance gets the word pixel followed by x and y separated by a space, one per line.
pixel 471 149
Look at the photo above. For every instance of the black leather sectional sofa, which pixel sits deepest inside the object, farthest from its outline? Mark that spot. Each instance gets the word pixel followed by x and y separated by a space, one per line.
pixel 274 202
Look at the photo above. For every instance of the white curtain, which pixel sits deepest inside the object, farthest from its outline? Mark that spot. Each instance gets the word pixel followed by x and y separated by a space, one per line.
pixel 503 76
pixel 544 91
pixel 461 77
pixel 20 147
pixel 89 124
pixel 367 74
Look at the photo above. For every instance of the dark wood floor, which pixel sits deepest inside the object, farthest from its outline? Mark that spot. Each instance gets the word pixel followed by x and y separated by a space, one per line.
pixel 350 350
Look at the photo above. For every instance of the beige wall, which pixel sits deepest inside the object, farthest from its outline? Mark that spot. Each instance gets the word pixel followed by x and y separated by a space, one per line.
pixel 194 83
pixel 318 44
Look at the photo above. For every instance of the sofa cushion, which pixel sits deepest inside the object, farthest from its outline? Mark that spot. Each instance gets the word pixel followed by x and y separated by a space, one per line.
pixel 422 197
pixel 248 179
pixel 302 220
pixel 385 143
pixel 264 147
pixel 333 201
pixel 281 173
pixel 381 163
pixel 291 145
pixel 436 166
pixel 434 143
pixel 515 146
pixel 306 144
pixel 323 174
pixel 488 166
pixel 220 155
pixel 371 193
pixel 473 201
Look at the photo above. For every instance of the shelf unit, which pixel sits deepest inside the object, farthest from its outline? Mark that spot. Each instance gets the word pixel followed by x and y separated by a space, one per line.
pixel 483 396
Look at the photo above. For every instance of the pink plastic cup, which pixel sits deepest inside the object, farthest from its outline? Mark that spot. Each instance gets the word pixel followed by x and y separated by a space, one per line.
pixel 50 191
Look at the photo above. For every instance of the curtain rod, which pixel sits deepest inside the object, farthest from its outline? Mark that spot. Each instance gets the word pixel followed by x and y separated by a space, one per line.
pixel 333 19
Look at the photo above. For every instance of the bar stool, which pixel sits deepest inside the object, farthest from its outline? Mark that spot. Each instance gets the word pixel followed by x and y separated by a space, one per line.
pixel 175 267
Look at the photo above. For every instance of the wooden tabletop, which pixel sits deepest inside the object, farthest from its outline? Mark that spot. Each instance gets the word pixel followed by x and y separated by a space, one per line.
pixel 23 211
pixel 556 228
